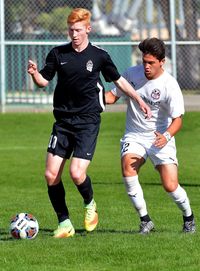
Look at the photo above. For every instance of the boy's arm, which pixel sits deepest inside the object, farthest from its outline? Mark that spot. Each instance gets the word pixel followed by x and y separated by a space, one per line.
pixel 126 87
pixel 110 97
pixel 38 79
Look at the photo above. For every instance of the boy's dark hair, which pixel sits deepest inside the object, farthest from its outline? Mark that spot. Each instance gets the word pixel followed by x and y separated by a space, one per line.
pixel 154 47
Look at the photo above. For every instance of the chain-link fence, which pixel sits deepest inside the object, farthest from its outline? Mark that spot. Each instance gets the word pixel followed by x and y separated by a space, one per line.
pixel 29 29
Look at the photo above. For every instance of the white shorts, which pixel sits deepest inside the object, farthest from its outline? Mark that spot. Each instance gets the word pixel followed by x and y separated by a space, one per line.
pixel 142 144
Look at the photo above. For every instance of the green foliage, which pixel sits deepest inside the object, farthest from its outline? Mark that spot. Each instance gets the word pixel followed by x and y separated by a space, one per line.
pixel 115 245
pixel 55 21
pixel 17 11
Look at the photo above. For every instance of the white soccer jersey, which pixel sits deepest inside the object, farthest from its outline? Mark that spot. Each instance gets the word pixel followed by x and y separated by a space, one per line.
pixel 162 94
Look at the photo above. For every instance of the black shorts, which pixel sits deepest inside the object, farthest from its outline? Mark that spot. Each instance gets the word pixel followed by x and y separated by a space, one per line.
pixel 75 135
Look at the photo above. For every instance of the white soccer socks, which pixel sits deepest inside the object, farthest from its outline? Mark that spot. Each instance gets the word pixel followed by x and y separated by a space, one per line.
pixel 135 193
pixel 180 197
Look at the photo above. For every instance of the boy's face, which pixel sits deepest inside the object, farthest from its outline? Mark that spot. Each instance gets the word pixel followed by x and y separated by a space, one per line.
pixel 78 32
pixel 153 67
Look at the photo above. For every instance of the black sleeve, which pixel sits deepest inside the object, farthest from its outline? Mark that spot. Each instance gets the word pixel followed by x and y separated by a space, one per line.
pixel 50 68
pixel 109 70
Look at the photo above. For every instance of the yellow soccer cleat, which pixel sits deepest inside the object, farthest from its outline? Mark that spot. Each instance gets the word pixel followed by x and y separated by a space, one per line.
pixel 65 229
pixel 91 216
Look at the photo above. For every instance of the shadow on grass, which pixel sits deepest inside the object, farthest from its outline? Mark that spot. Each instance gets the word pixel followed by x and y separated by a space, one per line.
pixel 146 184
pixel 182 184
pixel 5 236
pixel 190 184
pixel 84 233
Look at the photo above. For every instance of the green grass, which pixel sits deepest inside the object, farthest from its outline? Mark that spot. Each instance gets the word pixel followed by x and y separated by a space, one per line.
pixel 115 245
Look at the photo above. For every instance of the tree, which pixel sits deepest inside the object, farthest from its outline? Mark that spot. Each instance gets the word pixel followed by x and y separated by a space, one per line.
pixel 55 21
pixel 24 18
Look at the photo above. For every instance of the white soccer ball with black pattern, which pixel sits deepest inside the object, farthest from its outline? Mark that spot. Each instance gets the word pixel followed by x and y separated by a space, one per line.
pixel 24 226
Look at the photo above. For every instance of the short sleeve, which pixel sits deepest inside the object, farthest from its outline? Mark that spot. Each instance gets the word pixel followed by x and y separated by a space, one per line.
pixel 176 101
pixel 109 70
pixel 50 68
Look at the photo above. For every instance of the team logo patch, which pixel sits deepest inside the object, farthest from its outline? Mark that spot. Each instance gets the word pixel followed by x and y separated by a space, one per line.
pixel 89 65
pixel 155 94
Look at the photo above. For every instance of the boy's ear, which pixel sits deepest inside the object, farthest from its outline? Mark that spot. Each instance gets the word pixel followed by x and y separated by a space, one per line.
pixel 88 29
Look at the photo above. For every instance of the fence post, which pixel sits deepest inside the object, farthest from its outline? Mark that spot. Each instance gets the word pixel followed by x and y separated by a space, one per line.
pixel 173 36
pixel 2 57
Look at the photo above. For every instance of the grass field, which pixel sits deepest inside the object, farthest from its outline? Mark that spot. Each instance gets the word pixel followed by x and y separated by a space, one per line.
pixel 115 245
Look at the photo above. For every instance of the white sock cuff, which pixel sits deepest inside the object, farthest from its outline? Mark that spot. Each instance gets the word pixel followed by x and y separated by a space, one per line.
pixel 132 184
pixel 179 191
pixel 181 199
pixel 135 193
pixel 131 179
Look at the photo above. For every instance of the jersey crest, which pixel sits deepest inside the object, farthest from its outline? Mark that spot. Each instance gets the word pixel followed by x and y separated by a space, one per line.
pixel 89 65
pixel 155 94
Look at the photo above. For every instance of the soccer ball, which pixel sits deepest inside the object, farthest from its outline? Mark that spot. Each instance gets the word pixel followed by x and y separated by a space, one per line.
pixel 24 226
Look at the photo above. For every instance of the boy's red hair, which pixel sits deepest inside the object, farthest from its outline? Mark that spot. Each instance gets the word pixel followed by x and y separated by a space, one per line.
pixel 79 15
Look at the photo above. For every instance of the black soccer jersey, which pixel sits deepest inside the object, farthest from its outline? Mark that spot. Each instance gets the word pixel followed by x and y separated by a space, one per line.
pixel 79 88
